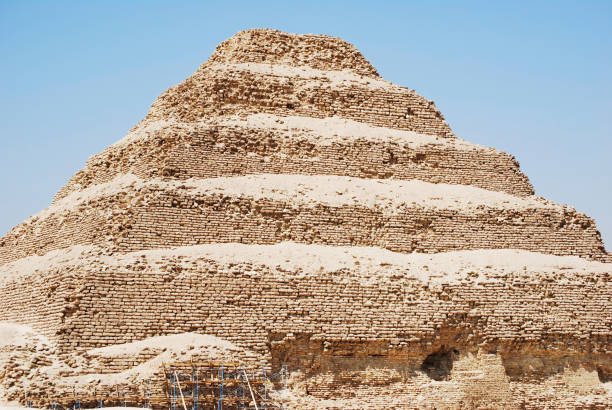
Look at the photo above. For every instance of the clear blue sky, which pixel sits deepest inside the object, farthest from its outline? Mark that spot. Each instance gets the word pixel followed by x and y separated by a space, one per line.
pixel 530 78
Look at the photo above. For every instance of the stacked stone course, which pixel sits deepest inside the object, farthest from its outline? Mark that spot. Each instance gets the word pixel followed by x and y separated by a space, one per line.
pixel 223 92
pixel 287 199
pixel 206 151
pixel 329 322
pixel 160 217
pixel 270 46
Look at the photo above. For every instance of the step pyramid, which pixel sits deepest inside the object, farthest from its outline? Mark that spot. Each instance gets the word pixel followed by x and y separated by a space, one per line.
pixel 288 200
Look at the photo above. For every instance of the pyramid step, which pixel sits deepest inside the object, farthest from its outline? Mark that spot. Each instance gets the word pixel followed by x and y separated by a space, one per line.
pixel 264 143
pixel 368 297
pixel 404 216
pixel 279 89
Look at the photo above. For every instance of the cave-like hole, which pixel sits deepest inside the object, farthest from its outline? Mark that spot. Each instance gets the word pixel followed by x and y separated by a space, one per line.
pixel 438 365
pixel 604 376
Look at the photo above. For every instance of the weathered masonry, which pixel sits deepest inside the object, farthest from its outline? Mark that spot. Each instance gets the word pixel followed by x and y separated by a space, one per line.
pixel 286 208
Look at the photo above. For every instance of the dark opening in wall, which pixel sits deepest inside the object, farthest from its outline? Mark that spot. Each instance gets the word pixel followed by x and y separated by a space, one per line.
pixel 604 376
pixel 290 106
pixel 438 365
pixel 418 158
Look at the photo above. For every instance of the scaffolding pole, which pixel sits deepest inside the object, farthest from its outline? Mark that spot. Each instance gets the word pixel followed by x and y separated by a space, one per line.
pixel 265 398
pixel 251 390
pixel 148 394
pixel 178 383
pixel 172 392
pixel 220 407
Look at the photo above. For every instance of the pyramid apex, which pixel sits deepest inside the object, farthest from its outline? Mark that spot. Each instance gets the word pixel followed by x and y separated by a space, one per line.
pixel 322 52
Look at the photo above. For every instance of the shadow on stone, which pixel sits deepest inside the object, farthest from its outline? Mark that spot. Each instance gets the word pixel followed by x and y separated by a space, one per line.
pixel 438 365
pixel 604 376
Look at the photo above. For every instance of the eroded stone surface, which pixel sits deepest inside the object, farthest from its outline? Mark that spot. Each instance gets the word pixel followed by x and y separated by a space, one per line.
pixel 287 205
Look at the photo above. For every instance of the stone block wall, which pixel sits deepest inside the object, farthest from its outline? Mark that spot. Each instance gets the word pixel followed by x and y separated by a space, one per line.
pixel 213 151
pixel 334 326
pixel 41 301
pixel 155 218
pixel 239 151
pixel 210 92
pixel 382 329
pixel 290 317
pixel 272 46
pixel 188 220
pixel 94 223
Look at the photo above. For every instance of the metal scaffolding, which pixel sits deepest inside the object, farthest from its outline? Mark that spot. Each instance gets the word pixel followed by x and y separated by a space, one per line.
pixel 219 386
pixel 183 386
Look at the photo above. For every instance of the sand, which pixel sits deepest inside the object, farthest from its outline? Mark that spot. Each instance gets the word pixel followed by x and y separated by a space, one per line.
pixel 363 264
pixel 389 195
pixel 10 407
pixel 12 334
pixel 327 131
pixel 333 78
pixel 158 350
pixel 319 131
pixel 369 265
pixel 175 342
pixel 167 349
